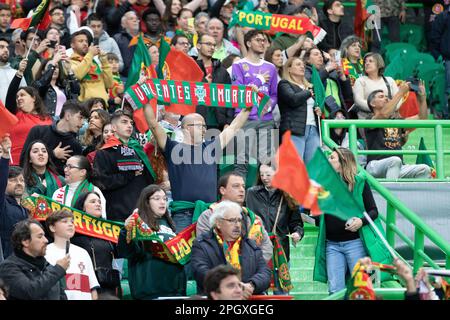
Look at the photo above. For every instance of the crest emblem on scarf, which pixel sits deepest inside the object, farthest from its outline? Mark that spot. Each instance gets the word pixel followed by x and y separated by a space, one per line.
pixel 200 93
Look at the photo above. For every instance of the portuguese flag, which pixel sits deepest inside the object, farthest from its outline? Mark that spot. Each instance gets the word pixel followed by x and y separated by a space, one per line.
pixel 361 16
pixel 176 65
pixel 8 120
pixel 40 18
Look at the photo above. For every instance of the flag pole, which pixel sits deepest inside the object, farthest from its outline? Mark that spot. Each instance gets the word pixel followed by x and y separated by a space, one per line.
pixel 32 40
pixel 320 130
pixel 376 30
pixel 374 227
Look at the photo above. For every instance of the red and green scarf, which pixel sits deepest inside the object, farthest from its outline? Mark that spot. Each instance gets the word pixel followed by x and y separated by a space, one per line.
pixel 83 187
pixel 94 72
pixel 52 181
pixel 231 250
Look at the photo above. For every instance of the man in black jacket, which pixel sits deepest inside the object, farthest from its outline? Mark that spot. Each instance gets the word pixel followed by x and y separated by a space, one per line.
pixel 12 186
pixel 61 136
pixel 242 253
pixel 214 72
pixel 336 29
pixel 123 168
pixel 27 274
pixel 130 25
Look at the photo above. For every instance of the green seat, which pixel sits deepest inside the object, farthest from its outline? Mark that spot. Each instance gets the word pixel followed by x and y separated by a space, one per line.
pixel 428 71
pixel 395 68
pixel 227 165
pixel 411 63
pixel 437 96
pixel 396 48
pixel 413 34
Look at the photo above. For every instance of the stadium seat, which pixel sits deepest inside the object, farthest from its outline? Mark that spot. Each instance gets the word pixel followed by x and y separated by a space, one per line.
pixel 428 71
pixel 411 63
pixel 395 48
pixel 413 34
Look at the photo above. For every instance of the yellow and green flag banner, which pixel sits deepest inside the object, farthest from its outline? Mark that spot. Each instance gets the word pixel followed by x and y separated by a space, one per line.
pixel 280 265
pixel 41 207
pixel 176 250
pixel 277 23
pixel 195 93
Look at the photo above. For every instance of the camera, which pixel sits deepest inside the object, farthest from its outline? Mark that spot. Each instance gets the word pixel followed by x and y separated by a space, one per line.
pixel 52 44
pixel 414 84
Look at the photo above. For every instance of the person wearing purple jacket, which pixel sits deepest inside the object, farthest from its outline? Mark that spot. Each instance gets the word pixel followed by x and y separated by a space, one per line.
pixel 254 71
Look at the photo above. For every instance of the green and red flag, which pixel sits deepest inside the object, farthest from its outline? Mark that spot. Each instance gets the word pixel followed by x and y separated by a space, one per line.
pixel 425 158
pixel 361 16
pixel 360 286
pixel 280 265
pixel 176 250
pixel 319 89
pixel 187 93
pixel 8 120
pixel 41 207
pixel 333 195
pixel 40 18
pixel 274 23
pixel 176 65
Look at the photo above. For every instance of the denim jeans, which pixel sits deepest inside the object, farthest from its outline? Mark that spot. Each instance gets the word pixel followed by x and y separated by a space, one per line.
pixel 342 257
pixel 393 168
pixel 182 219
pixel 307 145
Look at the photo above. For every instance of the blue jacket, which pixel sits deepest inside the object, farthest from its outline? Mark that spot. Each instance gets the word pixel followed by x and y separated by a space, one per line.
pixel 10 211
pixel 440 36
pixel 207 254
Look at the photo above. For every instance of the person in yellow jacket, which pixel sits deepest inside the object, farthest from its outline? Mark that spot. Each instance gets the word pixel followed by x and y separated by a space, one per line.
pixel 95 79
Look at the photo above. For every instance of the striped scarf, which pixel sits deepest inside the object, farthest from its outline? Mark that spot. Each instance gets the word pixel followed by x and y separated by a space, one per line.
pixel 231 250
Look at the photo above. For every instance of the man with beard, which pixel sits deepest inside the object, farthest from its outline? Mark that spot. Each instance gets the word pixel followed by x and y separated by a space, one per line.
pixel 262 76
pixel 27 274
pixel 12 186
pixel 224 244
pixel 7 73
pixel 214 72
pixel 95 80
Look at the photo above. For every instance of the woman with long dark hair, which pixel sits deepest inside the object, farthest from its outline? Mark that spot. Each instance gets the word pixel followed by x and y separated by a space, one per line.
pixel 149 276
pixel 93 135
pixel 101 251
pixel 341 243
pixel 39 173
pixel 78 174
pixel 269 203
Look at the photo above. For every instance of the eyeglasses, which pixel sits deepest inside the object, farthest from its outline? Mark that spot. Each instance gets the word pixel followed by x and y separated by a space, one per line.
pixel 233 220
pixel 260 39
pixel 196 125
pixel 159 198
pixel 209 44
pixel 69 166
pixel 184 44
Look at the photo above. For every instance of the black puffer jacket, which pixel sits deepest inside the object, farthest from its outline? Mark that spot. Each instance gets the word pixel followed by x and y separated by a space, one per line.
pixel 265 205
pixel 31 278
pixel 293 107
pixel 440 36
pixel 336 32
pixel 207 254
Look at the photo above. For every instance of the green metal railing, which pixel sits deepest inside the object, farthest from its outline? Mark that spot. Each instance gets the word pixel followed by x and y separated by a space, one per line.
pixel 353 125
pixel 353 4
pixel 394 205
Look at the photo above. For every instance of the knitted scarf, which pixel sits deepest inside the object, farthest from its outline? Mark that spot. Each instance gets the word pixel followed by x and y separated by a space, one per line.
pixel 84 186
pixel 94 72
pixel 231 250
pixel 52 181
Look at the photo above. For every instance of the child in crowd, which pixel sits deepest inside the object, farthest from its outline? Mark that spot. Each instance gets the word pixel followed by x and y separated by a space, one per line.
pixel 117 89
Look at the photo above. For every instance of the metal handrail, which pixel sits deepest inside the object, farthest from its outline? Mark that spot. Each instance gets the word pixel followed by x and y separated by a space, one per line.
pixel 421 229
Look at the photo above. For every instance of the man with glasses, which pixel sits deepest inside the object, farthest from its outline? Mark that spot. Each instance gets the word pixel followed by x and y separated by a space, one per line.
pixel 12 189
pixel 214 72
pixel 181 43
pixel 123 168
pixel 59 20
pixel 232 188
pixel 255 138
pixel 192 164
pixel 224 244
pixel 61 136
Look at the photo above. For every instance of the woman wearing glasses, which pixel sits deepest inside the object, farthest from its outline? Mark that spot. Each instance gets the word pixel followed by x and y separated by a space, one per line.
pixel 78 174
pixel 149 276
pixel 341 243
